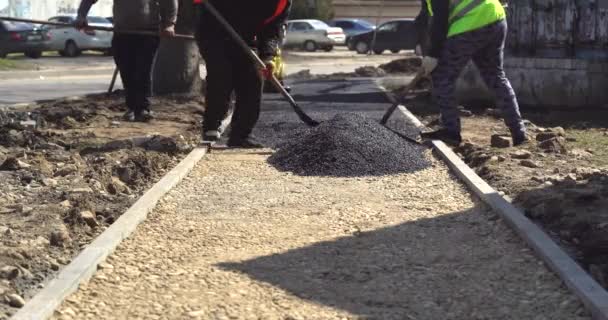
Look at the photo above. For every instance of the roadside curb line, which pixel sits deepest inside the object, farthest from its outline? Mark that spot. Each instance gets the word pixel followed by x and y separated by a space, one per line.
pixel 576 278
pixel 17 106
pixel 83 267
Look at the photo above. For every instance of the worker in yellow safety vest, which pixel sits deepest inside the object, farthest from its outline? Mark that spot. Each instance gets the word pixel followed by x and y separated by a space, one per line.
pixel 461 31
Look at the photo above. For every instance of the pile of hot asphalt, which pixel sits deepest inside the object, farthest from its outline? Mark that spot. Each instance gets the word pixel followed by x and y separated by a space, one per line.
pixel 349 145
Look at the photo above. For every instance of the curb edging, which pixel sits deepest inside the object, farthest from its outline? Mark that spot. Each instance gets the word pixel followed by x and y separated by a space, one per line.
pixel 82 268
pixel 592 294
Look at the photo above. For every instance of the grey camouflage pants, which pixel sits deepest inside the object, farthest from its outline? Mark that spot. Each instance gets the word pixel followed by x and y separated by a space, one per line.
pixel 485 47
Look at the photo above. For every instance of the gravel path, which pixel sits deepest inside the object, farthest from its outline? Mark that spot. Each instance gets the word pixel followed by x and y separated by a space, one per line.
pixel 239 239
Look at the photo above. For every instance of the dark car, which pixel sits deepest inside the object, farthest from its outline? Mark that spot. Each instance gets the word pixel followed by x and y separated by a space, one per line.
pixel 19 37
pixel 352 27
pixel 395 35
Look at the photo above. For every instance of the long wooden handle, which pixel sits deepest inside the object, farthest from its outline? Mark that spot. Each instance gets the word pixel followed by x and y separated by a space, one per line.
pixel 109 29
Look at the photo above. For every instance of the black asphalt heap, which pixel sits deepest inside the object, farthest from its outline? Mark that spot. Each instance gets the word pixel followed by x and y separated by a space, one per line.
pixel 349 145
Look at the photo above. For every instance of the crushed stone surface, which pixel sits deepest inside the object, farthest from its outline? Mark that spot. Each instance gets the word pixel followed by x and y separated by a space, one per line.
pixel 349 144
pixel 238 239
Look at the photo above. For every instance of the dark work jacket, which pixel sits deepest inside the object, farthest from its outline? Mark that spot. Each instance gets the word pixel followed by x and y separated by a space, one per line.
pixel 249 18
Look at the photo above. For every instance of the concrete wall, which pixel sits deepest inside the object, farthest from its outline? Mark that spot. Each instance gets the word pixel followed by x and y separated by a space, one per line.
pixel 372 9
pixel 44 9
pixel 543 83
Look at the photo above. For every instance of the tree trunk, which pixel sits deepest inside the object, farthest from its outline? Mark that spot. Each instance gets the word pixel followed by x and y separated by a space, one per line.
pixel 177 64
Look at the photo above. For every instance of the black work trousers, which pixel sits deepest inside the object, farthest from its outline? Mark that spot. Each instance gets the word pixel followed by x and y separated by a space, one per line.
pixel 134 56
pixel 229 69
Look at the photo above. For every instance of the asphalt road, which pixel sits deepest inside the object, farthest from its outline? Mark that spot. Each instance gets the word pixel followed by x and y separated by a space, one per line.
pixel 57 77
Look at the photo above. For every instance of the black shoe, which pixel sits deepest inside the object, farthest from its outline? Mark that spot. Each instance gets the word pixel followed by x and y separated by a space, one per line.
pixel 247 143
pixel 145 115
pixel 129 116
pixel 452 138
pixel 211 136
pixel 520 139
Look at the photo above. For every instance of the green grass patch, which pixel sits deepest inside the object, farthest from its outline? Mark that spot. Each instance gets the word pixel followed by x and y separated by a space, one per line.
pixel 593 140
pixel 10 64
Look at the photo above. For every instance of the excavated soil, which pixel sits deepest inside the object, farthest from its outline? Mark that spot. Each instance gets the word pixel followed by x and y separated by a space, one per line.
pixel 69 169
pixel 560 179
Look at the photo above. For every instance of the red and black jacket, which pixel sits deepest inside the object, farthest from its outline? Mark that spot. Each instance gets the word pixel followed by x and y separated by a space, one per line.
pixel 258 22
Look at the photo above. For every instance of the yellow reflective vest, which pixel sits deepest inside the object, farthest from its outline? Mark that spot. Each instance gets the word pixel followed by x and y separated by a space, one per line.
pixel 469 15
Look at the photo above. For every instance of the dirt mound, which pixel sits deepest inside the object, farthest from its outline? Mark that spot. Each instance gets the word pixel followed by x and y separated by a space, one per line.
pixel 405 65
pixel 349 145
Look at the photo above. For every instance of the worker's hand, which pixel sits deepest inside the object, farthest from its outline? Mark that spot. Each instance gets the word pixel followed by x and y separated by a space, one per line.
pixel 81 23
pixel 268 71
pixel 428 65
pixel 168 32
pixel 418 50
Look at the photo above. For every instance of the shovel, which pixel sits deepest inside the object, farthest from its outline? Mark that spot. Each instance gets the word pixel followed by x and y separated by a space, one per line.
pixel 387 115
pixel 260 64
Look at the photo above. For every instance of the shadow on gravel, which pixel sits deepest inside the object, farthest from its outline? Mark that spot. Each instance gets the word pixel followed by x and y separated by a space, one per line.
pixel 457 266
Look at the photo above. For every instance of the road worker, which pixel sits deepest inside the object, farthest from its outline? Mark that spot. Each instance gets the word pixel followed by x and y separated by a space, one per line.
pixel 259 23
pixel 134 54
pixel 461 31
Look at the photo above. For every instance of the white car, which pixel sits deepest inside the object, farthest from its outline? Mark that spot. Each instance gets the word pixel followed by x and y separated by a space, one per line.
pixel 70 42
pixel 312 35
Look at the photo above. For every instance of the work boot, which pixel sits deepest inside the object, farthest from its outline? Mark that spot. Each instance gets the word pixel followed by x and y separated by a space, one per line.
pixel 246 143
pixel 449 137
pixel 211 136
pixel 520 139
pixel 129 116
pixel 145 115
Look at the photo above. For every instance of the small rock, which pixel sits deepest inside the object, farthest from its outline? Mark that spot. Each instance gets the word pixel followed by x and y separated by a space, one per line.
pixel 538 179
pixel 521 154
pixel 81 190
pixel 48 182
pixel 65 204
pixel 494 159
pixel 60 236
pixel 580 153
pixel 66 170
pixel 466 113
pixel 13 164
pixel 14 300
pixel 559 131
pixel 544 136
pixel 500 141
pixel 115 124
pixel 502 158
pixel 89 218
pixel 9 272
pixel 26 211
pixel 117 186
pixel 530 164
pixel 570 177
pixel 556 170
pixel 54 265
pixel 555 145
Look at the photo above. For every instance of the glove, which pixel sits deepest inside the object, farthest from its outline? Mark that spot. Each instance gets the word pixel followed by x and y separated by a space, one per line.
pixel 428 65
pixel 267 72
pixel 81 23
pixel 168 31
pixel 418 50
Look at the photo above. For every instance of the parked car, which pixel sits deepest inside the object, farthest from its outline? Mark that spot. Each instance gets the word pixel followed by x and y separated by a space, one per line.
pixel 395 35
pixel 70 42
pixel 19 37
pixel 312 35
pixel 352 27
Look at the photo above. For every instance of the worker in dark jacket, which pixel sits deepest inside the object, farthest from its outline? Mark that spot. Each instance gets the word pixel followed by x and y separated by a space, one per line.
pixel 229 69
pixel 134 54
pixel 464 30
